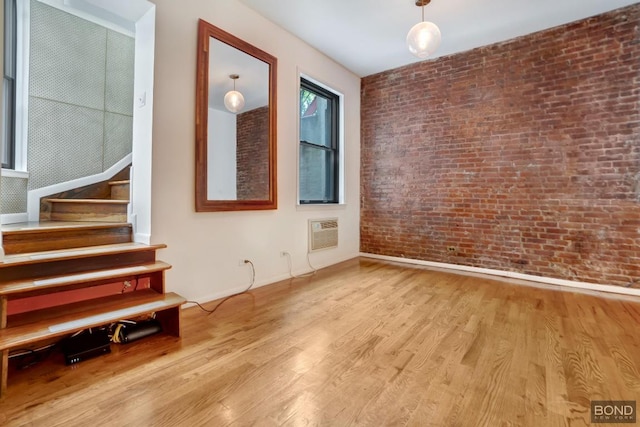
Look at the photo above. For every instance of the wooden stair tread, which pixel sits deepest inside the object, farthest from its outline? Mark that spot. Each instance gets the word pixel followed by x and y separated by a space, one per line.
pixel 50 235
pixel 56 226
pixel 27 328
pixel 90 210
pixel 123 182
pixel 76 253
pixel 90 201
pixel 38 284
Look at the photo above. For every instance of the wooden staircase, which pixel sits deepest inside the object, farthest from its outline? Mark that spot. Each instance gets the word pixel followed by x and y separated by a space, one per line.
pixel 74 271
pixel 102 202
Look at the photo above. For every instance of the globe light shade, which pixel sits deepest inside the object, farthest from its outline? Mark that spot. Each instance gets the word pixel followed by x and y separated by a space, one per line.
pixel 423 39
pixel 234 101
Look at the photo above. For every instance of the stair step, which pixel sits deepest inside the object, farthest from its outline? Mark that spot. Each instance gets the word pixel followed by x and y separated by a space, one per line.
pixel 25 238
pixel 91 210
pixel 27 328
pixel 75 260
pixel 119 190
pixel 76 253
pixel 89 201
pixel 44 284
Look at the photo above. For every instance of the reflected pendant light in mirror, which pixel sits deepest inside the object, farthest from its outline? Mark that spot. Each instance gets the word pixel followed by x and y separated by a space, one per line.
pixel 233 100
pixel 423 38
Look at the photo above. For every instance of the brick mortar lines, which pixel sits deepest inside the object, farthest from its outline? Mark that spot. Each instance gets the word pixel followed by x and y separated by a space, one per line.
pixel 522 156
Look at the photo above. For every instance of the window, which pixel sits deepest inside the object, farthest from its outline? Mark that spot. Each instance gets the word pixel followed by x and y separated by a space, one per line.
pixel 319 134
pixel 9 85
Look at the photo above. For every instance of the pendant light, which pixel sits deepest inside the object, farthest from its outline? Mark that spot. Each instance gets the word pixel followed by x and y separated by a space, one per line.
pixel 423 38
pixel 233 100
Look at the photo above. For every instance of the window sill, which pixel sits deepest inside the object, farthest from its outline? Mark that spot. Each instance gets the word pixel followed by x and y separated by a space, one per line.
pixel 321 206
pixel 10 173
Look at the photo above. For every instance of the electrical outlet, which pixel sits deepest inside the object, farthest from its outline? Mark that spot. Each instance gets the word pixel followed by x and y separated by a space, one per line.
pixel 452 249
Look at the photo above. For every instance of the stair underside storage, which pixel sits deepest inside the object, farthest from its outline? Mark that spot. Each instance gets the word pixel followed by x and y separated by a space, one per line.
pixel 25 329
pixel 49 273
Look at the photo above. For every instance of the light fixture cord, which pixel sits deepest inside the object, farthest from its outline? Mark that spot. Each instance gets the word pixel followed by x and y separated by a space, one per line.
pixel 422 11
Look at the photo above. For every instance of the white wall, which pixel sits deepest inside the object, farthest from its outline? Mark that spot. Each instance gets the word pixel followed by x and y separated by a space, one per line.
pixel 143 112
pixel 205 248
pixel 222 155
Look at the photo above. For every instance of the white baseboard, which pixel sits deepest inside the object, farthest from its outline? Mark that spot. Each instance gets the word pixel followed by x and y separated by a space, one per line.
pixel 142 238
pixel 258 284
pixel 13 218
pixel 232 291
pixel 584 286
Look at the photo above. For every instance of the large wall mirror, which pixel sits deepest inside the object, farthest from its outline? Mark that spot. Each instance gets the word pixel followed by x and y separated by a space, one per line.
pixel 235 124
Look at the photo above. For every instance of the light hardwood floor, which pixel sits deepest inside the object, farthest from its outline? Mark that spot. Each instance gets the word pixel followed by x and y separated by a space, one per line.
pixel 362 343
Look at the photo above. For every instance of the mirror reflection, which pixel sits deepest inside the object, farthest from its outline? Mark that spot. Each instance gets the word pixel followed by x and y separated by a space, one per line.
pixel 235 124
pixel 238 117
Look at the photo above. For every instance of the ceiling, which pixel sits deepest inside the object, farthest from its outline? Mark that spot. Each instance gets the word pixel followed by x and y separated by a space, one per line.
pixel 368 36
pixel 114 14
pixel 253 76
pixel 128 10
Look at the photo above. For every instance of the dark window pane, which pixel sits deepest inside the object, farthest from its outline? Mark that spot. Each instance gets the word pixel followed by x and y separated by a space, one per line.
pixel 317 172
pixel 318 144
pixel 10 32
pixel 315 123
pixel 8 129
pixel 8 84
pixel 306 99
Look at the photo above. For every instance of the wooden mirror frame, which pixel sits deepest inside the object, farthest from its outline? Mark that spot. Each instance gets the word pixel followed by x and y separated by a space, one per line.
pixel 205 32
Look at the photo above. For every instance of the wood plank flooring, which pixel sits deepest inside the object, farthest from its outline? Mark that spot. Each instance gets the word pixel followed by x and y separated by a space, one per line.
pixel 366 343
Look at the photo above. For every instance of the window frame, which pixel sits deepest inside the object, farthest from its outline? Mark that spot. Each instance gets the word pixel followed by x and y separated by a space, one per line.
pixel 21 92
pixel 9 83
pixel 333 178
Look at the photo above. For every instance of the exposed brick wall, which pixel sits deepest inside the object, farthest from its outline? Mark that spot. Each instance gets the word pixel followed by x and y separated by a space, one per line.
pixel 253 154
pixel 521 156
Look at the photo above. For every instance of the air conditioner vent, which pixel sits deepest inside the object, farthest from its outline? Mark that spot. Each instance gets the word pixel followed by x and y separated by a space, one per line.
pixel 323 234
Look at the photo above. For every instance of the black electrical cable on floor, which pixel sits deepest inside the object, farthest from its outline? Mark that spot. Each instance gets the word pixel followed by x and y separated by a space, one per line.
pixel 30 357
pixel 253 280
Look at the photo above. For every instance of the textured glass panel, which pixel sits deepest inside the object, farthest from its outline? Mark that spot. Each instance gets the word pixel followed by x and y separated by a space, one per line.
pixel 13 198
pixel 65 142
pixel 120 60
pixel 67 57
pixel 117 144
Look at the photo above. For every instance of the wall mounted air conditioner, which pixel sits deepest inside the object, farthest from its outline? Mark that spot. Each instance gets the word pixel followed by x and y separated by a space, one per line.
pixel 323 234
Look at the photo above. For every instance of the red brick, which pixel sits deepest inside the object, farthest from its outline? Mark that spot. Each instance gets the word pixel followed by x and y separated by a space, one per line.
pixel 252 155
pixel 524 155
